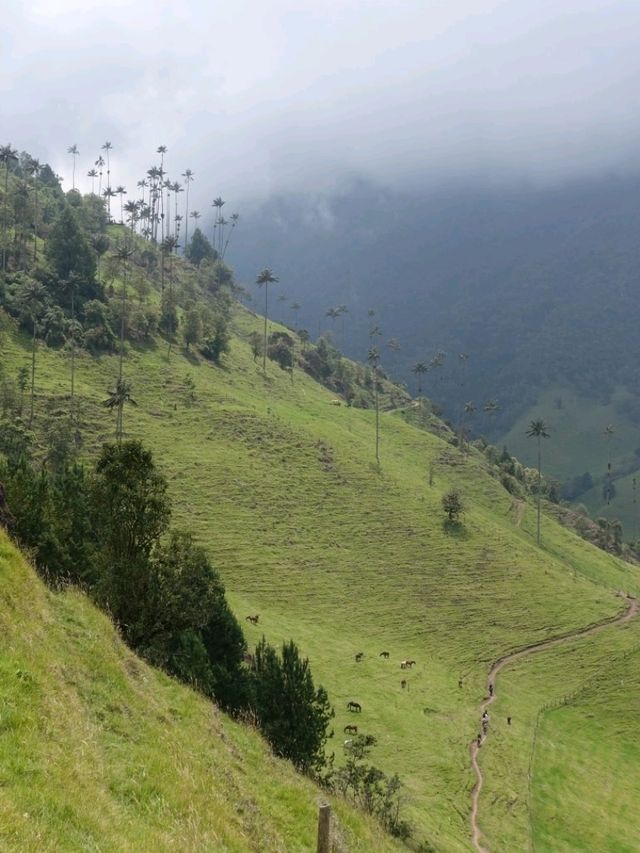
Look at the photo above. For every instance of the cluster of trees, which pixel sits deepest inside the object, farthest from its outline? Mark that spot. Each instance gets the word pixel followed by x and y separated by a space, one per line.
pixel 109 531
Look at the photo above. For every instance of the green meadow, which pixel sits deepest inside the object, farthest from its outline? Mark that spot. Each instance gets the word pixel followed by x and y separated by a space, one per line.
pixel 346 556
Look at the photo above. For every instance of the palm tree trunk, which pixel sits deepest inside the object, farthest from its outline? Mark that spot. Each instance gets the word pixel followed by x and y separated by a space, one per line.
pixel 73 346
pixel 35 219
pixel 264 354
pixel 186 224
pixel 375 379
pixel 33 371
pixel 4 216
pixel 539 484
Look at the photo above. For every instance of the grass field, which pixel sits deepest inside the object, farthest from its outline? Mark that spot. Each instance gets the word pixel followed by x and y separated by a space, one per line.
pixel 576 424
pixel 98 752
pixel 343 556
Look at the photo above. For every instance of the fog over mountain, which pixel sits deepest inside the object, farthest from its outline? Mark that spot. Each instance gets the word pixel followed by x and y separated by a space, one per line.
pixel 296 94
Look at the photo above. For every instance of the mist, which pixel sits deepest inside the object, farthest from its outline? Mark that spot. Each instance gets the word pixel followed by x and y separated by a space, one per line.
pixel 263 98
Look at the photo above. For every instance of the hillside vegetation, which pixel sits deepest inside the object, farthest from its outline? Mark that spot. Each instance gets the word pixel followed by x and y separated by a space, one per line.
pixel 282 487
pixel 100 752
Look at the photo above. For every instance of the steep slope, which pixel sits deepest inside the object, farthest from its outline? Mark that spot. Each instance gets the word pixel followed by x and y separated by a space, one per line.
pixel 98 751
pixel 281 487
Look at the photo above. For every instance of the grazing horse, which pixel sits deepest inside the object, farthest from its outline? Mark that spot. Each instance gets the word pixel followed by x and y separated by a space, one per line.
pixel 411 663
pixel 359 657
pixel 354 706
pixel 384 655
pixel 403 683
pixel 403 664
pixel 351 730
pixel 253 619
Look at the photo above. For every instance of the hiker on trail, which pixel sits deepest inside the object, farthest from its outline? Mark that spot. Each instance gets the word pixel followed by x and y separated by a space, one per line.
pixel 485 717
pixel 479 740
pixel 508 721
pixel 490 688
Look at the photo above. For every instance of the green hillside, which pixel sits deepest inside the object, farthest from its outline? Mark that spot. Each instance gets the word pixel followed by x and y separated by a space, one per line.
pixel 281 487
pixel 277 477
pixel 100 752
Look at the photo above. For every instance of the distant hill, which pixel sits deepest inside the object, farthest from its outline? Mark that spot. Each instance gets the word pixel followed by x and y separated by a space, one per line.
pixel 539 287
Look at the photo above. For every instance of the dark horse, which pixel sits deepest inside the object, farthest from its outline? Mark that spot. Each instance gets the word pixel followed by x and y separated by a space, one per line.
pixel 351 730
pixel 354 706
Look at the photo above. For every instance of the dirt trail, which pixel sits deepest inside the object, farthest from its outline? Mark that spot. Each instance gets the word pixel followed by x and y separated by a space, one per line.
pixel 631 610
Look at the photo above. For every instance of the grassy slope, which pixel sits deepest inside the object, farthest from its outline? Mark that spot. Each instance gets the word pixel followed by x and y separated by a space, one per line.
pixel 100 752
pixel 576 444
pixel 281 488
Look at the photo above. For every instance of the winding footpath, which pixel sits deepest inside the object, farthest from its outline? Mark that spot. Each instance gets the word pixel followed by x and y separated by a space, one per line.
pixel 630 612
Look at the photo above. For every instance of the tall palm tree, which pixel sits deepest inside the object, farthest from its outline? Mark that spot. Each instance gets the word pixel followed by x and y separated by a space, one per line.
pixel 188 179
pixel 168 247
pixel 468 409
pixel 264 279
pixel 121 191
pixel 418 370
pixel 116 400
pixel 295 307
pixel 332 314
pixel 161 150
pixel 35 167
pixel 32 298
pixel 218 203
pixel 109 193
pixel 608 432
pixel 132 209
pixel 100 164
pixel 8 155
pixel 235 218
pixel 538 430
pixel 93 174
pixel 373 357
pixel 73 150
pixel 177 189
pixel 107 147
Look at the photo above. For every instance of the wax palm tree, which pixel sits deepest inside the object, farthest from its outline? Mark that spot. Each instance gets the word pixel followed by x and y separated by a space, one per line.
pixel 264 279
pixel 100 164
pixel 538 430
pixel 32 298
pixel 161 150
pixel 132 209
pixel 218 203
pixel 373 357
pixel 93 174
pixel 188 180
pixel 109 194
pixel 295 307
pixel 73 150
pixel 332 314
pixel 8 155
pixel 468 410
pixel 107 147
pixel 177 189
pixel 418 370
pixel 608 435
pixel 235 218
pixel 121 191
pixel 35 168
pixel 117 400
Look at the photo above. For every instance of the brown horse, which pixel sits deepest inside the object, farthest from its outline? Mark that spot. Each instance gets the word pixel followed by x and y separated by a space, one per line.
pixel 356 707
pixel 359 657
pixel 253 619
pixel 384 655
pixel 351 730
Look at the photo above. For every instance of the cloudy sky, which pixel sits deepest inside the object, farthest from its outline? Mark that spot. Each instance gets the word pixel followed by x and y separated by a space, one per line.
pixel 263 95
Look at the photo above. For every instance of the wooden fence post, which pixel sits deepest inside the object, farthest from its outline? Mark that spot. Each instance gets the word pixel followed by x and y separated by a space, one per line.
pixel 324 829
